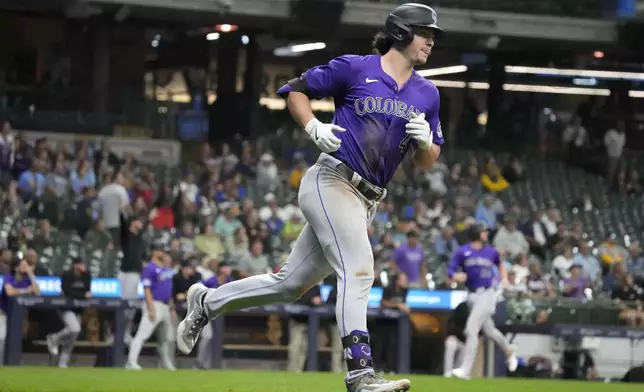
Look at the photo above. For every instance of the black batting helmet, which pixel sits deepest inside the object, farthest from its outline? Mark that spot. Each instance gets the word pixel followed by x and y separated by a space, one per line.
pixel 474 232
pixel 401 20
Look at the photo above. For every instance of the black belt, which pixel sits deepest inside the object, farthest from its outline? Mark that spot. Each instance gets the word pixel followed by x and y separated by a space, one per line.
pixel 366 189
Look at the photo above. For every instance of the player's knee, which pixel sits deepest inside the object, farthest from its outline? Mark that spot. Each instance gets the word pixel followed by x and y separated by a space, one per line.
pixel 451 343
pixel 74 328
pixel 291 290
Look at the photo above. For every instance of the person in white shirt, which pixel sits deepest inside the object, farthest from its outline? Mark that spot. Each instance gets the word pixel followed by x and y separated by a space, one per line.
pixel 113 201
pixel 510 241
pixel 188 188
pixel 268 178
pixel 614 140
pixel 562 263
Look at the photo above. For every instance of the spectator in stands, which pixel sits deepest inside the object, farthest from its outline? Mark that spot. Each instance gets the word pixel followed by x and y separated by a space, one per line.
pixel 268 179
pixel 410 259
pixel 104 157
pixel 256 263
pixel 610 252
pixel 436 178
pixel 635 262
pixel 43 237
pixel 509 241
pixel 394 296
pixel 22 156
pixel 535 233
pixel 298 328
pixel 575 285
pixel 131 266
pixel 514 171
pixel 613 279
pixel 20 280
pixel 227 222
pixel 614 141
pixel 293 227
pixel 538 285
pixel 83 177
pixel 485 213
pixel 633 185
pixel 584 203
pixel 446 244
pixel 237 246
pixel 7 145
pixel 295 177
pixel 58 181
pixel 114 202
pixel 5 260
pixel 575 139
pixel 562 263
pixel 32 182
pixel 97 237
pixel 492 180
pixel 12 203
pixel 181 282
pixel 87 212
pixel 588 263
pixel 629 297
pixel 187 187
pixel 31 257
pixel 521 267
pixel 162 216
pixel 187 239
pixel 75 284
pixel 577 235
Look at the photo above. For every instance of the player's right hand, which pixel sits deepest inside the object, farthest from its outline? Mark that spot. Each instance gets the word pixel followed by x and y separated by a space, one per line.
pixel 322 135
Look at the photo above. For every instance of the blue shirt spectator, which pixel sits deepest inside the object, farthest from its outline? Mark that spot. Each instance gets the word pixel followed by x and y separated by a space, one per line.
pixel 485 214
pixel 31 182
pixel 83 177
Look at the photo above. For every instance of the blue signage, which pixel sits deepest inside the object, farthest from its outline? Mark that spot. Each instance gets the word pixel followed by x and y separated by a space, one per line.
pixel 416 299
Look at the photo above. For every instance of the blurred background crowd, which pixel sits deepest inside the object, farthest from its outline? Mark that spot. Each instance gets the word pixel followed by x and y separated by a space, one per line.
pixel 543 145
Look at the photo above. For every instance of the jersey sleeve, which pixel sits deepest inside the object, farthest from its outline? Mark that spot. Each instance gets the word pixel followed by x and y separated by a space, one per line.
pixel 322 81
pixel 496 258
pixel 148 277
pixel 433 118
pixel 455 264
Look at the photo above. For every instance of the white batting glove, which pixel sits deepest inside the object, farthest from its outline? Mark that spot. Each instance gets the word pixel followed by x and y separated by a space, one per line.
pixel 322 135
pixel 418 128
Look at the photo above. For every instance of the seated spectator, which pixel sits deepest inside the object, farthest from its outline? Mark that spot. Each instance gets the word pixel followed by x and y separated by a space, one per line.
pixel 510 241
pixel 436 178
pixel 446 244
pixel 633 184
pixel 256 263
pixel 293 227
pixel 268 178
pixel 227 222
pixel 187 187
pixel 187 239
pixel 237 247
pixel 562 263
pixel 535 233
pixel 83 177
pixel 485 213
pixel 588 263
pixel 97 237
pixel 516 285
pixel 629 298
pixel 576 236
pixel 209 243
pixel 537 284
pixel 58 181
pixel 610 252
pixel 514 171
pixel 635 262
pixel 520 268
pixel 44 237
pixel 492 180
pixel 575 285
pixel 162 216
pixel 613 279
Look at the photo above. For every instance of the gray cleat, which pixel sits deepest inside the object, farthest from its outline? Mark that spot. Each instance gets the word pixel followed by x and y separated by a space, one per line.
pixel 371 382
pixel 191 326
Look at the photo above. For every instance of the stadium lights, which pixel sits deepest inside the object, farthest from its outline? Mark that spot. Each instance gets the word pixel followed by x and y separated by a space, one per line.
pixel 528 88
pixel 226 28
pixel 212 36
pixel 636 94
pixel 442 71
pixel 584 73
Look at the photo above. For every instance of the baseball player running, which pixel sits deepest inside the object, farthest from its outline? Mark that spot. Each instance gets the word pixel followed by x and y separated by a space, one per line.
pixel 157 313
pixel 477 262
pixel 384 111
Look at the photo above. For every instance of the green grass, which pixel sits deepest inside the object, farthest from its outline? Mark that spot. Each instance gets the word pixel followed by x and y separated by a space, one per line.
pixel 42 379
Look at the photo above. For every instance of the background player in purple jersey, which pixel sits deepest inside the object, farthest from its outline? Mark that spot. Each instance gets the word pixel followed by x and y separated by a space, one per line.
pixel 476 264
pixel 384 111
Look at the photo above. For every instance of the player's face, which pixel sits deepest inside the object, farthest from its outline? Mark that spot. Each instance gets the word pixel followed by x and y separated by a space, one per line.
pixel 484 235
pixel 421 47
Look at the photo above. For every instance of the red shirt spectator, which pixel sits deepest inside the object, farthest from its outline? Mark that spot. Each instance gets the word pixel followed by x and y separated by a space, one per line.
pixel 162 218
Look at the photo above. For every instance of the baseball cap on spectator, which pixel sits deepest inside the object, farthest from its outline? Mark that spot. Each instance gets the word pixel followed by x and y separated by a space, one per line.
pixel 266 158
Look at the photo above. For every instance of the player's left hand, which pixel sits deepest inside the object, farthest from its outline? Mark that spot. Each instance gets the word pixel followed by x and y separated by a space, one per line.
pixel 418 128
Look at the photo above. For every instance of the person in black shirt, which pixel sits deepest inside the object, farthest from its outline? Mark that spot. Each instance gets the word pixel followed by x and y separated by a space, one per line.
pixel 298 329
pixel 455 340
pixel 76 284
pixel 394 296
pixel 181 282
pixel 133 247
pixel 629 298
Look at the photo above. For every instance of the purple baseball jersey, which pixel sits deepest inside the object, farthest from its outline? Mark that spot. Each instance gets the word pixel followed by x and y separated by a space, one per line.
pixel 159 280
pixel 213 282
pixel 18 284
pixel 478 264
pixel 374 111
pixel 577 287
pixel 408 261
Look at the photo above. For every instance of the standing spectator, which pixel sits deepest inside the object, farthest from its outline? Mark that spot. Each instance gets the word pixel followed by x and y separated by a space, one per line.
pixel 187 187
pixel 58 181
pixel 267 174
pixel 485 214
pixel 298 328
pixel 446 244
pixel 83 177
pixel 75 284
pixel 114 202
pixel 614 141
pixel 32 182
pixel 509 241
pixel 87 212
pixel 575 139
pixel 131 266
pixel 409 259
